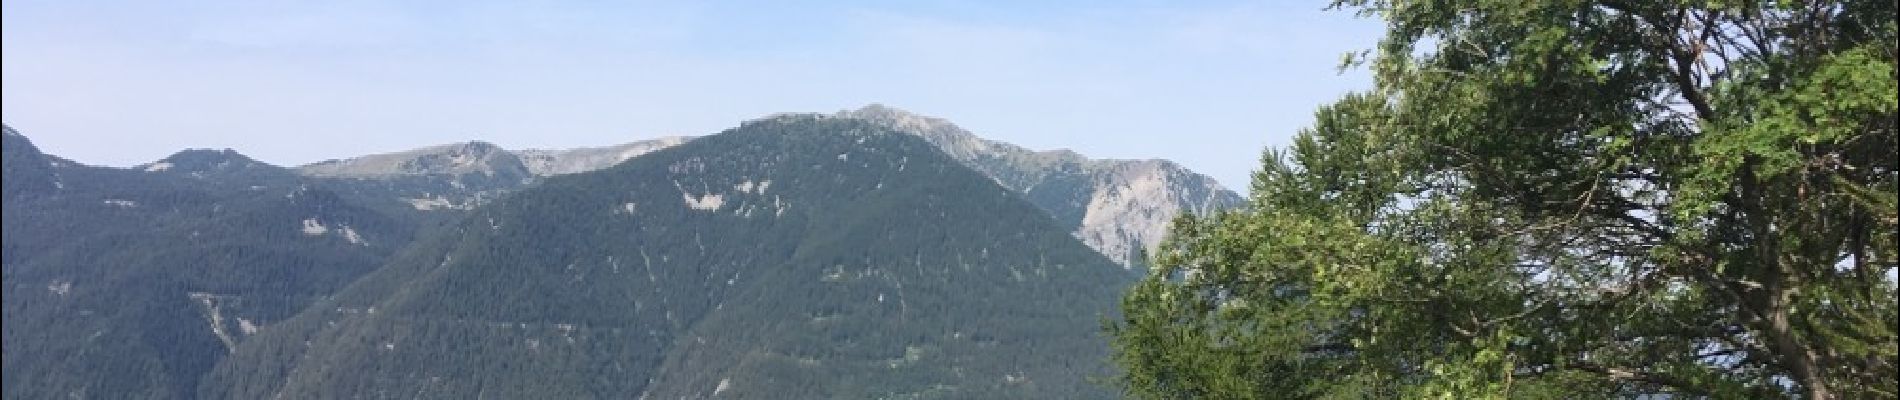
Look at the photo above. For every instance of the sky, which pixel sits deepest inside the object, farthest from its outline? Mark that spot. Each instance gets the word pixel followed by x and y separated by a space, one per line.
pixel 1208 84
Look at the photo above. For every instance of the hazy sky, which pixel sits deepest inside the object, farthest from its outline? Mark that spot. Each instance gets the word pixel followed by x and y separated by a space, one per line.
pixel 1207 84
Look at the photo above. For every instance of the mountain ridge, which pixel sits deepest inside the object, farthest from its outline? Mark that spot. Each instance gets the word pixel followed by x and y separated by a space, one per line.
pixel 546 162
pixel 792 258
pixel 1120 207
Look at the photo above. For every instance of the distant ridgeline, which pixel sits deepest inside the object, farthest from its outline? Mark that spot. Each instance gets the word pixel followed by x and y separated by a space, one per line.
pixel 869 253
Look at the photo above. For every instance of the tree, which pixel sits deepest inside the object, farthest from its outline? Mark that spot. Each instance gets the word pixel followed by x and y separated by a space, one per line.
pixel 1558 199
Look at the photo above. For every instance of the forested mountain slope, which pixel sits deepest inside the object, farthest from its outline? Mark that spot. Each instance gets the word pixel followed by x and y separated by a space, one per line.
pixel 132 283
pixel 793 257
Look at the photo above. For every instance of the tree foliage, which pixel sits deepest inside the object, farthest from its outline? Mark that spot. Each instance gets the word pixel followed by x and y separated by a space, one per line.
pixel 1558 199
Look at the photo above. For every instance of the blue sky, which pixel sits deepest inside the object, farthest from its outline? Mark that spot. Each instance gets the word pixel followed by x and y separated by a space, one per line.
pixel 1208 84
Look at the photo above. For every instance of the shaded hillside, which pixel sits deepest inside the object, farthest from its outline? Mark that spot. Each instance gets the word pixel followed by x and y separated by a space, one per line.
pixel 123 283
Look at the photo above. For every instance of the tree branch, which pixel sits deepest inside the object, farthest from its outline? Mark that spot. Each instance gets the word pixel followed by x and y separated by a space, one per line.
pixel 1638 376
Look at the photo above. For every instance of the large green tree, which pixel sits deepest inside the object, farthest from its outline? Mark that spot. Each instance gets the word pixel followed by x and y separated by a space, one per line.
pixel 1558 199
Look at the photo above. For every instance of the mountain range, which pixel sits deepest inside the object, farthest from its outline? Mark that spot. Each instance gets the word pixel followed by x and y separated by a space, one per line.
pixel 865 253
pixel 1118 207
pixel 793 257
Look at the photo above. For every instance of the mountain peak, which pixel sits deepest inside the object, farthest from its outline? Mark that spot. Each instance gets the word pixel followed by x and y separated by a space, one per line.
pixel 224 165
pixel 880 109
pixel 26 169
pixel 198 161
pixel 472 147
pixel 207 153
pixel 448 159
pixel 568 161
pixel 902 120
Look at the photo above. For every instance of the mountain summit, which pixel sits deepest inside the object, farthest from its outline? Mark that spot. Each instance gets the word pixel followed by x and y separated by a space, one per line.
pixel 1118 207
pixel 568 161
pixel 475 157
pixel 28 172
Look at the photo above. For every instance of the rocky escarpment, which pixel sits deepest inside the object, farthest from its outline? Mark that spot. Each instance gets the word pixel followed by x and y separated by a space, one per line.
pixel 1118 207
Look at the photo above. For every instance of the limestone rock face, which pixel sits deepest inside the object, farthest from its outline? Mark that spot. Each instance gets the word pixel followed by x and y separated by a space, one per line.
pixel 1114 206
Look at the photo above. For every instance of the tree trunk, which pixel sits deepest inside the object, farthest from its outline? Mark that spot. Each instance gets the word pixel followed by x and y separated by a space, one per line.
pixel 1799 358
